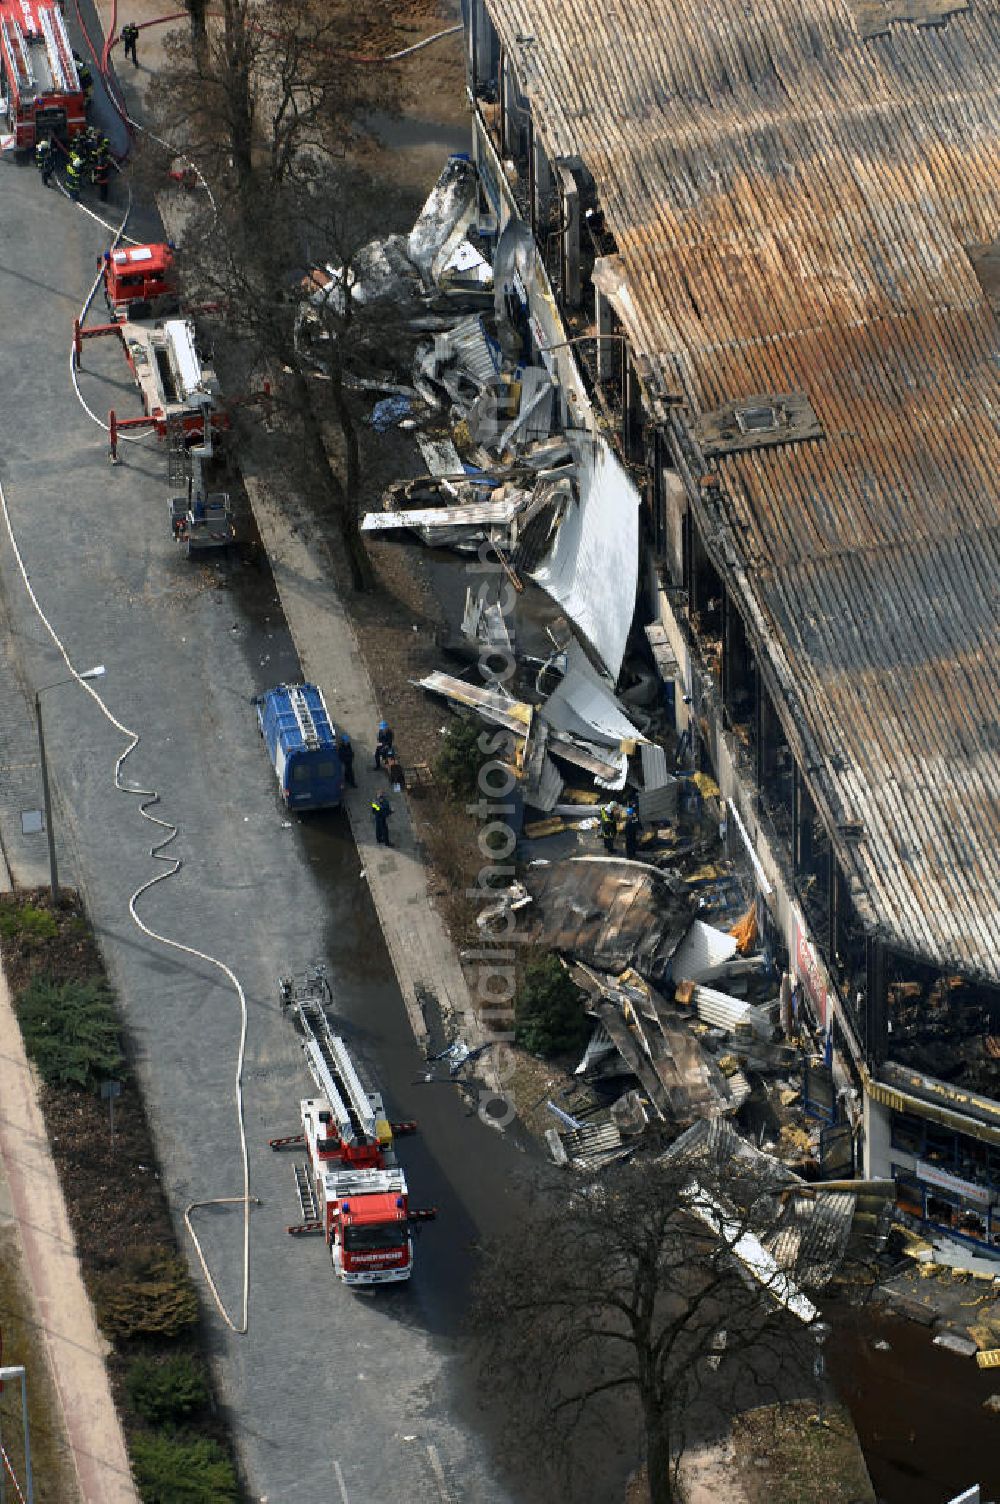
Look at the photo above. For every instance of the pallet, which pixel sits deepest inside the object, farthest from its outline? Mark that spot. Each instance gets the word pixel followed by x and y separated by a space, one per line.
pixel 418 775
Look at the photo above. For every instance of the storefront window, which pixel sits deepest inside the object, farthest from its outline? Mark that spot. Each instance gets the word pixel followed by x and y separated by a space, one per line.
pixel 972 1224
pixel 910 1195
pixel 940 1211
pixel 940 1145
pixel 907 1133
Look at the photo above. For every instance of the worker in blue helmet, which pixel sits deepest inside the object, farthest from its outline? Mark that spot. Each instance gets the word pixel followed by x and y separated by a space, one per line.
pixel 633 829
pixel 383 743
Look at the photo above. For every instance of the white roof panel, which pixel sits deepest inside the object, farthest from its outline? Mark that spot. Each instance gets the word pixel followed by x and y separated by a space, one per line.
pixel 593 568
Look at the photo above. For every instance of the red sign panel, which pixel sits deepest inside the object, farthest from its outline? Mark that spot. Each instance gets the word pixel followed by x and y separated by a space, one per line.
pixel 810 971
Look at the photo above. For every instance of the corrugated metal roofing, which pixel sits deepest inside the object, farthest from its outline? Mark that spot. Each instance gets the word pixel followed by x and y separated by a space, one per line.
pixel 654 767
pixel 702 951
pixel 792 205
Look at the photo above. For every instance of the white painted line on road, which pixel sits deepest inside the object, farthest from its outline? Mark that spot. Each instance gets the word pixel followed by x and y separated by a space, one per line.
pixel 438 1472
pixel 340 1483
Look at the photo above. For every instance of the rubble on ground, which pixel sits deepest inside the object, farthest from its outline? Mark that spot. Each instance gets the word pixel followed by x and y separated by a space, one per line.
pixel 690 1023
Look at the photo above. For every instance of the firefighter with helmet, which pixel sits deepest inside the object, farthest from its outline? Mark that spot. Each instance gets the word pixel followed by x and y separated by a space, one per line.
pixel 633 830
pixel 609 827
pixel 74 170
pixel 100 166
pixel 45 159
pixel 86 77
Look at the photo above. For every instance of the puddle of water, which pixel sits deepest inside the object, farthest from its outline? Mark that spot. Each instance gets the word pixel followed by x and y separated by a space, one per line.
pixel 918 1410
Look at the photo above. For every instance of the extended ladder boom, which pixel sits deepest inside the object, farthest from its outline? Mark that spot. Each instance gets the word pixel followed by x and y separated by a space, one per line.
pixel 334 1073
pixel 61 63
pixel 18 54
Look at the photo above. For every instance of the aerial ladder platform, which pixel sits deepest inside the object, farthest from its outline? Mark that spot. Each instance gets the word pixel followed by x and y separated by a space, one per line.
pixel 350 1188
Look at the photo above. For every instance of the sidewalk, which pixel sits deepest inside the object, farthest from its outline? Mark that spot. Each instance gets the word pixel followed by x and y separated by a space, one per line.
pixel 75 1347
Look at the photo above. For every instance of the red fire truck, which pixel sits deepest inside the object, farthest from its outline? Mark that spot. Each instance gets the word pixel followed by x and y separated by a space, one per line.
pixel 40 84
pixel 140 281
pixel 351 1189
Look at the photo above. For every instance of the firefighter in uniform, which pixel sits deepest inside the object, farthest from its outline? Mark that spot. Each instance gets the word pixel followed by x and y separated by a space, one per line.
pixel 130 36
pixel 346 751
pixel 86 77
pixel 383 743
pixel 45 159
pixel 609 827
pixel 74 170
pixel 633 827
pixel 99 174
pixel 100 168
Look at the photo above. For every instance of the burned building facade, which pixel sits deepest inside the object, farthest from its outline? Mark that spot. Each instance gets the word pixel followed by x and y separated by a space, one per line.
pixel 766 272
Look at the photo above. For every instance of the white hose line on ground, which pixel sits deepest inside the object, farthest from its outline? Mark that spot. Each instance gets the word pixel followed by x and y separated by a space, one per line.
pixel 118 233
pixel 394 57
pixel 148 798
pixel 13 1476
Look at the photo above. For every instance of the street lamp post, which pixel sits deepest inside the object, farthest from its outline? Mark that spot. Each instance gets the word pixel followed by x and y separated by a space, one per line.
pixel 820 1330
pixel 92 673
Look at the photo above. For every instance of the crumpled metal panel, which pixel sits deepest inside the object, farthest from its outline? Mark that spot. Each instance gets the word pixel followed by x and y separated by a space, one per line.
pixel 583 706
pixel 447 214
pixel 609 913
pixel 492 704
pixel 654 767
pixel 466 346
pixel 703 949
pixel 593 567
pixel 474 514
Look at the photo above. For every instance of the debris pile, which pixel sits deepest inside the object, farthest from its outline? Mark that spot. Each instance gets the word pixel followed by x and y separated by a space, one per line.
pixel 789 1235
pixel 655 931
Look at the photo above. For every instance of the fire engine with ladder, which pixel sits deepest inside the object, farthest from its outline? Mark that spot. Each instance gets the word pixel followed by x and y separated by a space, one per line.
pixel 140 281
pixel 41 92
pixel 351 1188
pixel 180 398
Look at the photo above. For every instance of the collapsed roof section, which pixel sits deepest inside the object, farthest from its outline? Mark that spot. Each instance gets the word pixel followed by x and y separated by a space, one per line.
pixel 806 1230
pixel 498 383
pixel 611 913
pixel 655 1042
pixel 580 724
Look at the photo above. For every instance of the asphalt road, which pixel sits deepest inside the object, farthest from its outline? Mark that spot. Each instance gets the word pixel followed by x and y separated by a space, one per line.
pixel 335 1396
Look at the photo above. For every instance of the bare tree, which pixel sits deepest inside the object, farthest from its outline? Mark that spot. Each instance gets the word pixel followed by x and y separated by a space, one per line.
pixel 251 280
pixel 636 1282
pixel 270 108
pixel 273 90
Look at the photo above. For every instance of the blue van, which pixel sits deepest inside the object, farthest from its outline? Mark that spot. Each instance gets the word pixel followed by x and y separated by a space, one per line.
pixel 302 744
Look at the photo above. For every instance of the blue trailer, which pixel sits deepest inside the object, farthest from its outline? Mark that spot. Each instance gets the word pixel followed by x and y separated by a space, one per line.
pixel 302 743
